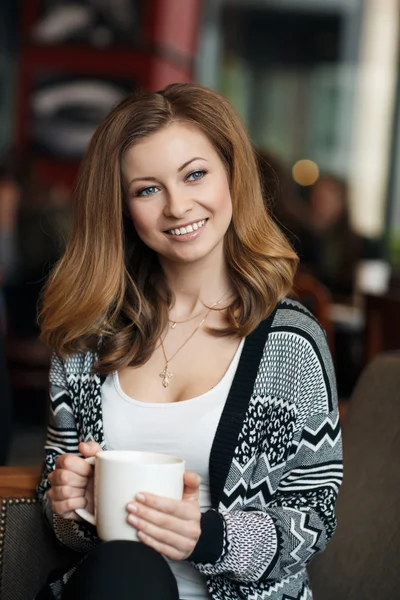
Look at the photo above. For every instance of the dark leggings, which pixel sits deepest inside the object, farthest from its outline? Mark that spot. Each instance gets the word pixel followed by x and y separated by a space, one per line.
pixel 124 571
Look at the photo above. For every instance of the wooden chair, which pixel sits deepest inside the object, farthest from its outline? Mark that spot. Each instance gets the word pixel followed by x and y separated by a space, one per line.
pixel 317 298
pixel 362 559
pixel 19 482
pixel 28 549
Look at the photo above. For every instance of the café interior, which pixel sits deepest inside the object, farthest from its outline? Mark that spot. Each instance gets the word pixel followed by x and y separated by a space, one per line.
pixel 317 84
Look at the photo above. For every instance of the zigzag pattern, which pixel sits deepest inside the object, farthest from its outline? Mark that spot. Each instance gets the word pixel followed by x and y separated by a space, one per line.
pixel 256 477
pixel 285 468
pixel 265 592
pixel 305 594
pixel 327 432
pixel 306 536
pixel 239 475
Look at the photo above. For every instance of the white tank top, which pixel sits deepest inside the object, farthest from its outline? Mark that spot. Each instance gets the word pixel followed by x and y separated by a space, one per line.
pixel 186 429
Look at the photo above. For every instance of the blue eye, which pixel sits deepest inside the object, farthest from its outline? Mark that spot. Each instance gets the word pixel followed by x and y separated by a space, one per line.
pixel 196 175
pixel 148 191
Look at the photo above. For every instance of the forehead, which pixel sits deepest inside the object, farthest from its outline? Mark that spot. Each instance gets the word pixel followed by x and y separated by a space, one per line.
pixel 170 147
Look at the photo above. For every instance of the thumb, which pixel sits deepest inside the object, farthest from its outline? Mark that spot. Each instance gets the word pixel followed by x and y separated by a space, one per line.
pixel 89 448
pixel 191 486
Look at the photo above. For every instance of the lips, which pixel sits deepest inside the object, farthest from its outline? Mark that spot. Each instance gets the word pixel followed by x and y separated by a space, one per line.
pixel 187 228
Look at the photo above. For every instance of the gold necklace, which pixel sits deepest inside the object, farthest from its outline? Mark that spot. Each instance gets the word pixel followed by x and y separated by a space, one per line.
pixel 166 374
pixel 175 322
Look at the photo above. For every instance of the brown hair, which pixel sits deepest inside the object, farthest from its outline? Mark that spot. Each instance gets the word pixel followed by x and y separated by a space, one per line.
pixel 109 285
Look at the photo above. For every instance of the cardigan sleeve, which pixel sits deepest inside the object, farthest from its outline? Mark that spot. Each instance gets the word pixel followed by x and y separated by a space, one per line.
pixel 275 537
pixel 62 438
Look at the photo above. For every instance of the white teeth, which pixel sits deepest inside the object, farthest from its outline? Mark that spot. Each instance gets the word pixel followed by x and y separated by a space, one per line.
pixel 188 229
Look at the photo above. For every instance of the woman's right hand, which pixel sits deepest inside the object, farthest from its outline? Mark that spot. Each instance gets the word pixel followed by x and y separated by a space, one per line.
pixel 72 482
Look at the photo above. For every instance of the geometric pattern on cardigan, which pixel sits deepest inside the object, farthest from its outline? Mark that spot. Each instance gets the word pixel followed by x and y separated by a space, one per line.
pixel 277 502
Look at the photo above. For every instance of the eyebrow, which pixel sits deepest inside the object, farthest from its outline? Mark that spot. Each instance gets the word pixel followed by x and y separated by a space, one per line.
pixel 149 178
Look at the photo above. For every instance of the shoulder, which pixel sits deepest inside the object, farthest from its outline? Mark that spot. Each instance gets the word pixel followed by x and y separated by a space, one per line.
pixel 292 317
pixel 290 323
pixel 296 355
pixel 297 332
pixel 76 365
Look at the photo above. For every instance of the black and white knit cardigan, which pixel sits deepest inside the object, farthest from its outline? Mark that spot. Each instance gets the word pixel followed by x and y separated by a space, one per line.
pixel 275 465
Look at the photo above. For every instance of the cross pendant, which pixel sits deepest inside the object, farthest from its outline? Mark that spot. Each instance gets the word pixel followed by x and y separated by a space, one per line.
pixel 166 376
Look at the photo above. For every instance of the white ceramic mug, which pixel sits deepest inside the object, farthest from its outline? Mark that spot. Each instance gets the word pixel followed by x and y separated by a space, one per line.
pixel 118 476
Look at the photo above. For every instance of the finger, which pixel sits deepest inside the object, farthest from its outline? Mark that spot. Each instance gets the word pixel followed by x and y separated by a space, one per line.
pixel 191 480
pixel 62 507
pixel 89 448
pixel 191 486
pixel 184 545
pixel 185 524
pixel 64 492
pixel 167 551
pixel 64 477
pixel 73 462
pixel 169 506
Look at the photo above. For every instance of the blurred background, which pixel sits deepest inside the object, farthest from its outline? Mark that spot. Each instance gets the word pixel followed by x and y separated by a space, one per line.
pixel 317 84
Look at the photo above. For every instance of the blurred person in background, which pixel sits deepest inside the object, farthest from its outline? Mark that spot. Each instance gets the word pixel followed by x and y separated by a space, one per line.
pixel 328 245
pixel 318 226
pixel 170 234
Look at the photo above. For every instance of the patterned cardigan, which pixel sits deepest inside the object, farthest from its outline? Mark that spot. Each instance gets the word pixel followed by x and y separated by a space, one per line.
pixel 275 465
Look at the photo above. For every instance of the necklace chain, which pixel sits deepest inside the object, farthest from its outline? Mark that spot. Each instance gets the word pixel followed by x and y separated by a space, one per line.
pixel 166 374
pixel 175 322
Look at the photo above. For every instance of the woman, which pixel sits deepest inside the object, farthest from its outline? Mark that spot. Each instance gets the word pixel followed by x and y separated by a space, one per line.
pixel 172 333
pixel 328 245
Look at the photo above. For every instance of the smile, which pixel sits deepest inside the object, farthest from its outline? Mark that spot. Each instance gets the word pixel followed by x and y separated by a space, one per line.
pixel 188 229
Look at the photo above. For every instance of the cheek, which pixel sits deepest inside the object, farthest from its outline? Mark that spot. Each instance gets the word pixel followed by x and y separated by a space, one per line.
pixel 223 200
pixel 140 220
pixel 226 204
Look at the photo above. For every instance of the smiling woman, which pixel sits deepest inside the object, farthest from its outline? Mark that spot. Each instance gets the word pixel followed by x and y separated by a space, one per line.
pixel 185 214
pixel 260 261
pixel 173 334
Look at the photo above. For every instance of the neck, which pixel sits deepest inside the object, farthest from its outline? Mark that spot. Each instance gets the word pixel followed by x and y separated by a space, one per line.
pixel 196 285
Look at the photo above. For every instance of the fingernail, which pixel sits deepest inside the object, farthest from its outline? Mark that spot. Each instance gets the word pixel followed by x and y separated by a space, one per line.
pixel 132 507
pixel 140 497
pixel 133 520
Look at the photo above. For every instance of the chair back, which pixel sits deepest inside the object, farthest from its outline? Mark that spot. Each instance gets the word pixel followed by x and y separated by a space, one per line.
pixel 362 559
pixel 28 548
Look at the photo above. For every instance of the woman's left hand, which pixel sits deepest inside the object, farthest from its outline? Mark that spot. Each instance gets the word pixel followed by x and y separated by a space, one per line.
pixel 172 527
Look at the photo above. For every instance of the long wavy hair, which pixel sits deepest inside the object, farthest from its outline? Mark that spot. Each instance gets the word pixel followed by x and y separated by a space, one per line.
pixel 108 292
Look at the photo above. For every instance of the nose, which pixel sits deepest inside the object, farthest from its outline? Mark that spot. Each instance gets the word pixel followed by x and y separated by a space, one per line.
pixel 178 204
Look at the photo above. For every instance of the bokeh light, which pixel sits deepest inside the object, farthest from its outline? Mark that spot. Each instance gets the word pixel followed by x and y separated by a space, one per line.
pixel 305 172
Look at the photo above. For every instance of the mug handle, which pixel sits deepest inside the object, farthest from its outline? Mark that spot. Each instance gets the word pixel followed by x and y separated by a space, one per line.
pixel 82 512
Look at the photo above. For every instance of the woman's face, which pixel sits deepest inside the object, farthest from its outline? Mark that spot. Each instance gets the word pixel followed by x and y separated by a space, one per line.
pixel 178 194
pixel 327 203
